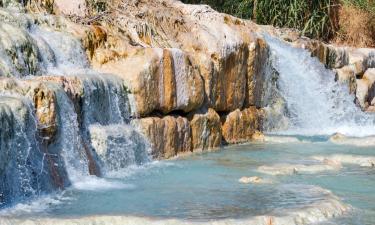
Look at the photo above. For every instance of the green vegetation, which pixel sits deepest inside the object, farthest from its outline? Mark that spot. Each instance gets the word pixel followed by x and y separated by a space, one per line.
pixel 315 18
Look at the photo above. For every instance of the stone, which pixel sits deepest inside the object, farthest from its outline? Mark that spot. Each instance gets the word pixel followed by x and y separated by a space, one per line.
pixel 46 112
pixel 358 61
pixel 205 130
pixel 347 75
pixel 240 126
pixel 366 89
pixel 258 136
pixel 250 180
pixel 93 39
pixel 290 169
pixel 70 8
pixel 370 76
pixel 331 56
pixel 168 136
pixel 341 139
pixel 73 87
pixel 362 92
pixel 363 161
pixel 261 76
pixel 225 76
pixel 44 100
pixel 167 80
pixel 217 45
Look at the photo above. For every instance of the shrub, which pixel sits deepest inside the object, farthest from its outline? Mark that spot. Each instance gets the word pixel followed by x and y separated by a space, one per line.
pixel 357 27
pixel 346 21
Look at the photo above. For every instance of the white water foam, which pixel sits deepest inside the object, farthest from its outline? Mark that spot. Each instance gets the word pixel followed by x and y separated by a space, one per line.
pixel 317 105
pixel 93 183
pixel 39 205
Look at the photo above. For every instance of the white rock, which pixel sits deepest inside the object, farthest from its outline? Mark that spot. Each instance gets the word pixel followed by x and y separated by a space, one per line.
pixel 364 161
pixel 289 169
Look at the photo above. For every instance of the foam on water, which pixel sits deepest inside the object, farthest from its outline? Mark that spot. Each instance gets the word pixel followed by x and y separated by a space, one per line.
pixel 38 205
pixel 93 183
pixel 317 105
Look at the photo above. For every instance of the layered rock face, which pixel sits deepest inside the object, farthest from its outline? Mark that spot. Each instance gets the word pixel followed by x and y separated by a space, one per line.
pixel 240 126
pixel 106 90
pixel 183 68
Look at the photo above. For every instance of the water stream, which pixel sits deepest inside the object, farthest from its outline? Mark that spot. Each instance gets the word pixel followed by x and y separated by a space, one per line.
pixel 316 104
pixel 300 180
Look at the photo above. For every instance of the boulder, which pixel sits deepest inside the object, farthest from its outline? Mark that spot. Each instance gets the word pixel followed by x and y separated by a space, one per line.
pixel 250 180
pixel 331 56
pixel 168 136
pixel 217 45
pixel 261 76
pixel 358 61
pixel 347 75
pixel 46 112
pixel 205 130
pixel 366 89
pixel 225 76
pixel 240 126
pixel 370 75
pixel 160 80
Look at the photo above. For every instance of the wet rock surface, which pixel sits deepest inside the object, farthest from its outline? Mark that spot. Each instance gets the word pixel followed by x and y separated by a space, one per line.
pixel 91 90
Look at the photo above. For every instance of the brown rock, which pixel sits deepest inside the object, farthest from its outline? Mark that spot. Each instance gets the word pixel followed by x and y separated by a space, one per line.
pixel 72 86
pixel 365 89
pixel 331 56
pixel 225 76
pixel 205 130
pixel 94 38
pixel 240 126
pixel 370 75
pixel 45 103
pixel 46 112
pixel 160 80
pixel 347 76
pixel 259 73
pixel 168 136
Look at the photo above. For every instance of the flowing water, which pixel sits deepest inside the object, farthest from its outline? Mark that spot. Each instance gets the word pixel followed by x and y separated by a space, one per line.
pixel 200 188
pixel 316 104
pixel 97 104
pixel 301 179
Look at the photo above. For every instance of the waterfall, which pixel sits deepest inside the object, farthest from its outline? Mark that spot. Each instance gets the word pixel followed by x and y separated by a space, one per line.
pixel 24 168
pixel 93 134
pixel 316 104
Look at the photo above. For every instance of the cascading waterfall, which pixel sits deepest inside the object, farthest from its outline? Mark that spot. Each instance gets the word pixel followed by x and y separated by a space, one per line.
pixel 23 164
pixel 74 154
pixel 316 104
pixel 61 53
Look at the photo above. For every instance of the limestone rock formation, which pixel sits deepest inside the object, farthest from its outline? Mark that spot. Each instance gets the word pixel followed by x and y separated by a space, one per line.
pixel 365 90
pixel 168 136
pixel 347 75
pixel 166 81
pixel 44 100
pixel 239 126
pixel 205 130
